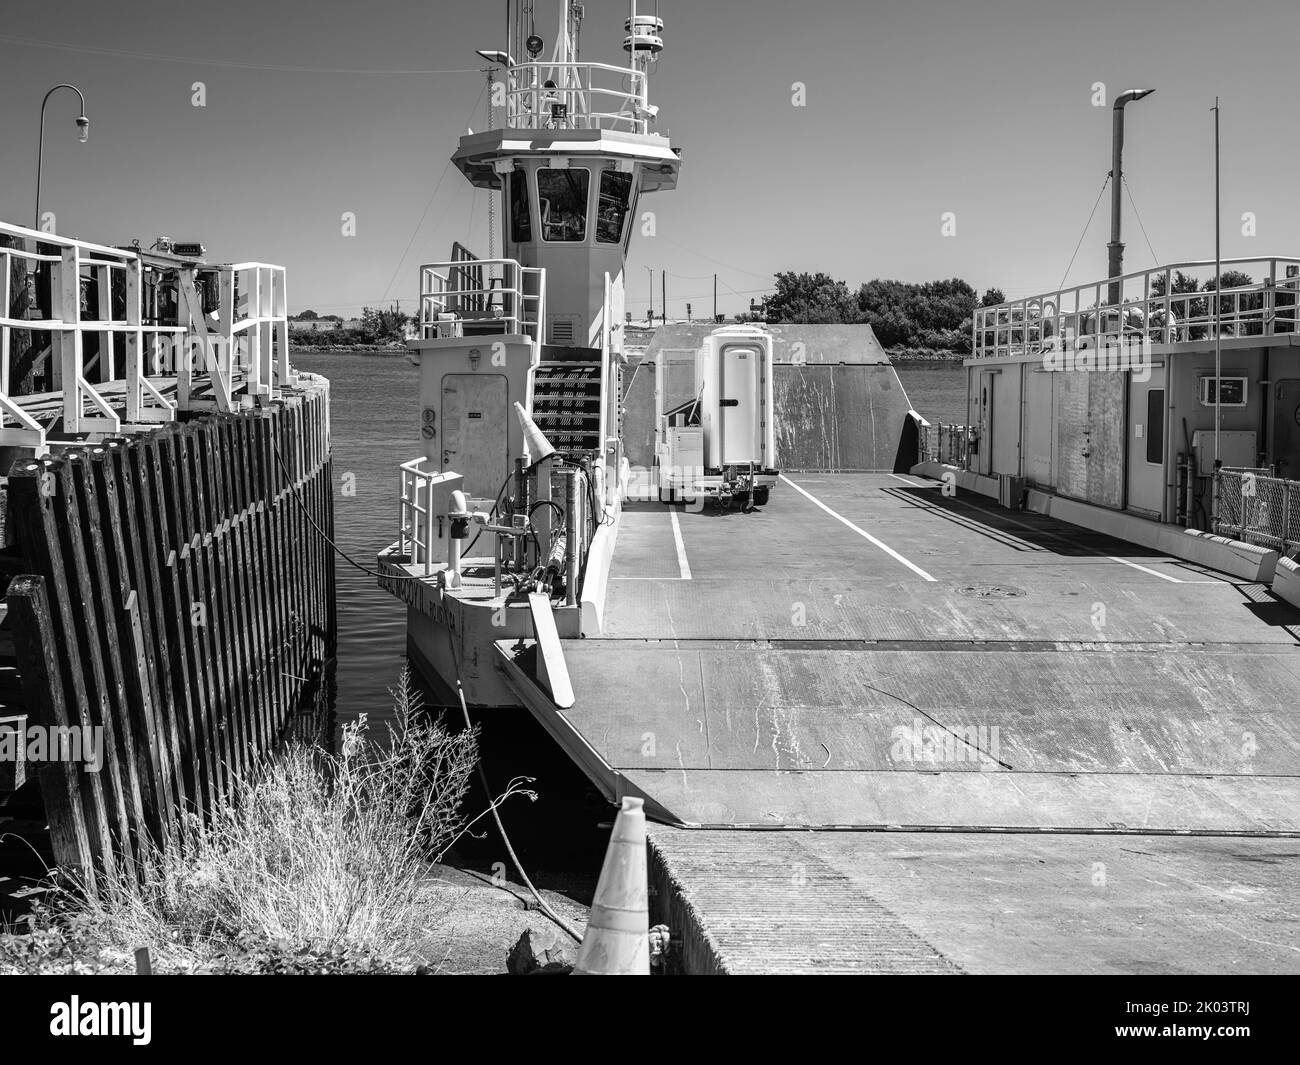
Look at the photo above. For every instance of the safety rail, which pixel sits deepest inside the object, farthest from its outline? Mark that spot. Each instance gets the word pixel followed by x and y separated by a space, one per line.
pixel 581 96
pixel 96 313
pixel 462 291
pixel 417 519
pixel 1258 509
pixel 414 519
pixel 948 445
pixel 1148 309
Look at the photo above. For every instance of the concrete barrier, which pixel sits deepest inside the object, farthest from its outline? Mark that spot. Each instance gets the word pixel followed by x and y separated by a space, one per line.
pixel 1286 581
pixel 971 482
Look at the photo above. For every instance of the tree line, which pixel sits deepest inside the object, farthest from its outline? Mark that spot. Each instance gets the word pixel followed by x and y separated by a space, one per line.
pixel 934 317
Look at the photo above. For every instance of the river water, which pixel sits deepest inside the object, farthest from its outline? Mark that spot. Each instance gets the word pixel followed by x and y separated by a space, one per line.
pixel 374 415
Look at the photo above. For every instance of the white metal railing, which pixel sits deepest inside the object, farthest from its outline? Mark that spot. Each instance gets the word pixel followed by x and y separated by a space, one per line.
pixel 462 291
pixel 1147 308
pixel 414 519
pixel 249 340
pixel 583 96
pixel 96 295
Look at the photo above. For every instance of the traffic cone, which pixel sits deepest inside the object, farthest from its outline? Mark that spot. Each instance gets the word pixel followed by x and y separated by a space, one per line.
pixel 534 439
pixel 617 940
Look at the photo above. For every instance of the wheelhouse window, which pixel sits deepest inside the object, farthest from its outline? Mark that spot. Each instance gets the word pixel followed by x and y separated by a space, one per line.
pixel 521 226
pixel 615 194
pixel 562 196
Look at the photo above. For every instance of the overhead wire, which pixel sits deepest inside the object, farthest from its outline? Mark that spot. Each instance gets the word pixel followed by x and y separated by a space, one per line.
pixel 1086 225
pixel 1138 215
pixel 121 53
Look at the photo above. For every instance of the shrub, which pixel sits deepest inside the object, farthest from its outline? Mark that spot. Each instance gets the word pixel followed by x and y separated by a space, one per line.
pixel 314 866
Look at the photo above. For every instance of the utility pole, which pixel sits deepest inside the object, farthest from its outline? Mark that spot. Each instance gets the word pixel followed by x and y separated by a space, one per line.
pixel 1218 306
pixel 715 298
pixel 663 281
pixel 650 314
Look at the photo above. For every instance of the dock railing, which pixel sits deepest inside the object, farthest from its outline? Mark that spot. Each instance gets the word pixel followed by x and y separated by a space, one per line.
pixel 1258 509
pixel 93 315
pixel 1163 305
pixel 585 96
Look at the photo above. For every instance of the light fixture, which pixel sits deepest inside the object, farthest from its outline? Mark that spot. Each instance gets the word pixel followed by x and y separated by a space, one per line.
pixel 534 44
pixel 83 128
pixel 500 58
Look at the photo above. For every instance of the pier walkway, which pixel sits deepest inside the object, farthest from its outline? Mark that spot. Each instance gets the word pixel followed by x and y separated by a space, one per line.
pixel 1041 748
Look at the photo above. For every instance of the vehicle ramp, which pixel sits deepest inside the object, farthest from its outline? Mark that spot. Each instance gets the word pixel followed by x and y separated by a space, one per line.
pixel 977 740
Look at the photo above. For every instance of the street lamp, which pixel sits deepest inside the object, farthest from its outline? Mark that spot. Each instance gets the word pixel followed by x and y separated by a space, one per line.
pixel 83 131
pixel 1115 249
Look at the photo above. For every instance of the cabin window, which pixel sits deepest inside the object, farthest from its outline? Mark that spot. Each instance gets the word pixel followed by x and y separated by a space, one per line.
pixel 1156 426
pixel 521 226
pixel 615 194
pixel 562 196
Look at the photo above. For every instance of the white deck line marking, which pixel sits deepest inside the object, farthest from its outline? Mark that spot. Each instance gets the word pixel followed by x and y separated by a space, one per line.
pixel 682 565
pixel 861 532
pixel 1144 569
pixel 1073 543
pixel 913 484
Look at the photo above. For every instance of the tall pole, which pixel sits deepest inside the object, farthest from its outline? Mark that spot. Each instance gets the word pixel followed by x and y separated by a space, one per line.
pixel 83 124
pixel 1218 284
pixel 1115 249
pixel 663 282
pixel 715 298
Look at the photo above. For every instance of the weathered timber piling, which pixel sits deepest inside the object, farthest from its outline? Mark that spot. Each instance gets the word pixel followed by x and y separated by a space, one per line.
pixel 176 593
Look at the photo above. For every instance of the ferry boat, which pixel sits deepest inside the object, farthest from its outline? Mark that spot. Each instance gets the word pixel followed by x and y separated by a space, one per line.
pixel 875 680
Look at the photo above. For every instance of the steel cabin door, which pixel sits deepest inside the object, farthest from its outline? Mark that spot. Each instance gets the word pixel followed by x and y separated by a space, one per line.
pixel 1286 429
pixel 474 431
pixel 1146 444
pixel 984 456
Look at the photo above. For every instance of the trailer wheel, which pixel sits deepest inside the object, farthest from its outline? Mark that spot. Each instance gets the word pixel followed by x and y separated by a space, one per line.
pixel 667 495
pixel 760 496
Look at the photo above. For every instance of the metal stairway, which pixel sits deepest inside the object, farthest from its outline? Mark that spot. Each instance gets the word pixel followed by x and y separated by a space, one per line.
pixel 566 404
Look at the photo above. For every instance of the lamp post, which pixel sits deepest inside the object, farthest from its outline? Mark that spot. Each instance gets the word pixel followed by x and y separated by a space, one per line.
pixel 1115 249
pixel 83 131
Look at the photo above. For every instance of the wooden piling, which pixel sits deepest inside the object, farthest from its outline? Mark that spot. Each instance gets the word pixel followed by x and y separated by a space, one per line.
pixel 177 593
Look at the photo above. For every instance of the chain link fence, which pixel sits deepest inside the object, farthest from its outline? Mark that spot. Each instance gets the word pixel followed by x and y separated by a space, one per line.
pixel 1258 509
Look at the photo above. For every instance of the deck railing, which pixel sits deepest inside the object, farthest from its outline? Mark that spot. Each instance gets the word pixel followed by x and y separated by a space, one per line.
pixel 463 291
pixel 585 96
pixel 113 353
pixel 1148 309
pixel 1258 509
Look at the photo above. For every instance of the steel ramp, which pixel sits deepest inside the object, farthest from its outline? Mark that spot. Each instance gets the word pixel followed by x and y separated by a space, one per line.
pixel 782 670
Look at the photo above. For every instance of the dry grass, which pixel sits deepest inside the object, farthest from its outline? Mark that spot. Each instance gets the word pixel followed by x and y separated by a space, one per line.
pixel 319 857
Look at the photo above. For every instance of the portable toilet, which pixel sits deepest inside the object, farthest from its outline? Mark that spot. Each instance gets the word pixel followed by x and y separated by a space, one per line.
pixel 723 442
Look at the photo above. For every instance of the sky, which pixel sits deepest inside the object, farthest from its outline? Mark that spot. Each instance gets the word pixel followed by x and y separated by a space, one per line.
pixel 912 109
